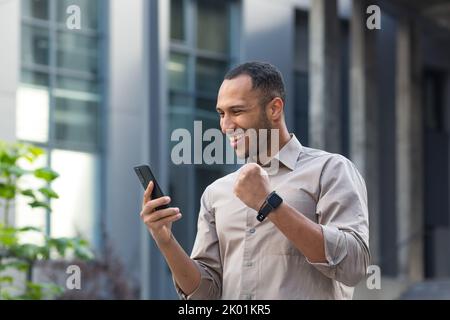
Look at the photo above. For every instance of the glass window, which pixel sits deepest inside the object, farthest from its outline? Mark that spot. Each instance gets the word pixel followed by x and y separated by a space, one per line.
pixel 35 45
pixel 89 12
pixel 32 114
pixel 35 9
pixel 179 191
pixel 35 78
pixel 204 176
pixel 178 71
pixel 301 79
pixel 210 122
pixel 213 26
pixel 75 122
pixel 180 99
pixel 72 213
pixel 178 120
pixel 77 52
pixel 206 103
pixel 177 20
pixel 209 75
pixel 301 107
pixel 196 69
pixel 301 41
pixel 76 84
pixel 71 110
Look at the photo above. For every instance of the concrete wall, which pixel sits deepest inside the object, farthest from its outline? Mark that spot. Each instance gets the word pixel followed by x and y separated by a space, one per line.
pixel 126 107
pixel 9 66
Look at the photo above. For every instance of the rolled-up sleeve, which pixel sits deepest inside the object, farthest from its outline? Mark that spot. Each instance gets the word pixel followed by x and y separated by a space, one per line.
pixel 343 215
pixel 206 255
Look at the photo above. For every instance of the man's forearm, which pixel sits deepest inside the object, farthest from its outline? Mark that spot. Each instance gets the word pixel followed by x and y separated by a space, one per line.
pixel 182 266
pixel 305 234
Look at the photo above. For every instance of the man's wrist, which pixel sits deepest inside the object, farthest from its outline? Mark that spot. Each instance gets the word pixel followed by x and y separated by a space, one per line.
pixel 272 201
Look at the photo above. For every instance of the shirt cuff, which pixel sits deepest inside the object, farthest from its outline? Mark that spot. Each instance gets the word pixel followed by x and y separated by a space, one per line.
pixel 335 250
pixel 203 291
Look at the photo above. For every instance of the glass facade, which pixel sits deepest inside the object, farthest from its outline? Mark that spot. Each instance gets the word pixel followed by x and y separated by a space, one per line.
pixel 59 107
pixel 200 55
pixel 301 78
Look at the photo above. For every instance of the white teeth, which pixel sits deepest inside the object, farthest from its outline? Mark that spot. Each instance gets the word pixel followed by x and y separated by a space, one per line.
pixel 236 138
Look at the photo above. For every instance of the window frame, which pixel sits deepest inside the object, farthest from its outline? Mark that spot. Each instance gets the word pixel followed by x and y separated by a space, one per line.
pixel 53 26
pixel 188 48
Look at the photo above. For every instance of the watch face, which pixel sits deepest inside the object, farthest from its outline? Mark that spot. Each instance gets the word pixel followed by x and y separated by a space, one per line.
pixel 274 200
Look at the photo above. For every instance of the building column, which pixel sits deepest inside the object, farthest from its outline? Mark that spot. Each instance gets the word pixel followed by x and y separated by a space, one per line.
pixel 364 115
pixel 324 75
pixel 10 72
pixel 409 146
pixel 9 66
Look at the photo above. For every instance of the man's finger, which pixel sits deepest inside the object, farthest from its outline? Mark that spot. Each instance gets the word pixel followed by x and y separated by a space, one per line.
pixel 172 218
pixel 153 204
pixel 148 193
pixel 161 214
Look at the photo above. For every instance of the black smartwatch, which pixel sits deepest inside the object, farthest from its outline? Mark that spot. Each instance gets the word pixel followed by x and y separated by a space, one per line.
pixel 272 201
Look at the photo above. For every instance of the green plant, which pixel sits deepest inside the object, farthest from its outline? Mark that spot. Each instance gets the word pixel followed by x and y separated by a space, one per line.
pixel 18 256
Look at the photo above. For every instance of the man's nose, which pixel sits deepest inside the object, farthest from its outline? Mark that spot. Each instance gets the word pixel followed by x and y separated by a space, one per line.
pixel 227 124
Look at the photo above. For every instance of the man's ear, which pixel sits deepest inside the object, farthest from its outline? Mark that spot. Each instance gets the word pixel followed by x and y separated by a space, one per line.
pixel 276 109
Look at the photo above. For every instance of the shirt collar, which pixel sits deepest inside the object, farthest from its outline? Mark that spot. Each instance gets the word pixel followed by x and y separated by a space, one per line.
pixel 288 155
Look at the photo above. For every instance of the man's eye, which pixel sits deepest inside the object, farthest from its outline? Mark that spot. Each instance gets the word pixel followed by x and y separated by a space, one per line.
pixel 221 114
pixel 237 111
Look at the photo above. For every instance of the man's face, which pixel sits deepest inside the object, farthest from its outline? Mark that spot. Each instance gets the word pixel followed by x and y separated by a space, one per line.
pixel 239 107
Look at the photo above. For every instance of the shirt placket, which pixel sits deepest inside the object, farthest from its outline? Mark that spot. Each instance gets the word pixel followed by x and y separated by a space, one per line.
pixel 249 278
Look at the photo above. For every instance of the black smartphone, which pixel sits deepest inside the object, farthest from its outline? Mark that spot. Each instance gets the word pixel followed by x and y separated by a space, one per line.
pixel 145 175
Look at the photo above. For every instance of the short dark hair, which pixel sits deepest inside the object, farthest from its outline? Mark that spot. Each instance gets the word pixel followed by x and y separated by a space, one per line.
pixel 265 77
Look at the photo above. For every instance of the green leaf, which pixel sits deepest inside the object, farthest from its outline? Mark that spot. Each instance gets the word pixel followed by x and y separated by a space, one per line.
pixel 7 191
pixel 5 295
pixel 39 291
pixel 82 250
pixel 29 228
pixel 35 151
pixel 16 171
pixel 6 279
pixel 27 251
pixel 39 204
pixel 60 244
pixel 46 173
pixel 28 193
pixel 19 265
pixel 83 253
pixel 8 236
pixel 49 193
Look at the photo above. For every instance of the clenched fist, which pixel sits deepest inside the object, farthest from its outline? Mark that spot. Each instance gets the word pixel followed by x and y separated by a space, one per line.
pixel 252 186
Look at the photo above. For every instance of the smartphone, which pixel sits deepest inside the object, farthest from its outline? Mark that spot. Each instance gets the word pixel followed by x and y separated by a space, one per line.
pixel 145 175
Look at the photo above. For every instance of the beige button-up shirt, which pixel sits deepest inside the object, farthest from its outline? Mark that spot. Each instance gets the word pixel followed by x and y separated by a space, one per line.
pixel 242 258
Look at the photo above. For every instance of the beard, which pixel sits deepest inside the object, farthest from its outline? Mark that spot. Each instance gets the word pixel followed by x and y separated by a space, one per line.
pixel 255 140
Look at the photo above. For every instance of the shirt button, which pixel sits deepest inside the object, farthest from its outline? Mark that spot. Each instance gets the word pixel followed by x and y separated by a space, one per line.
pixel 252 230
pixel 249 264
pixel 248 297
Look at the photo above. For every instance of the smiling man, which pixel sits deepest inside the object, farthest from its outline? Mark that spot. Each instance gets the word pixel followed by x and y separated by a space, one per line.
pixel 299 232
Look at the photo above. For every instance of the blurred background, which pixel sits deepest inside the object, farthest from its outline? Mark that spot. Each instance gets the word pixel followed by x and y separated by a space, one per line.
pixel 105 97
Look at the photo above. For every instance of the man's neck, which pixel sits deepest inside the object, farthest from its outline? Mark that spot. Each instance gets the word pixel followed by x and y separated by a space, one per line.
pixel 283 139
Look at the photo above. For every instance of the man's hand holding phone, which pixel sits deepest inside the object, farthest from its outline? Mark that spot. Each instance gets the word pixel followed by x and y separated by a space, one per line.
pixel 159 222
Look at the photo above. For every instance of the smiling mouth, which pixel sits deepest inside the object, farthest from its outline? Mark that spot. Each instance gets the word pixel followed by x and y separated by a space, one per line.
pixel 235 139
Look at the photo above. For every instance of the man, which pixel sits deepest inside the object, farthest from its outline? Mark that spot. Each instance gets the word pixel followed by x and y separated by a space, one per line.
pixel 306 240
